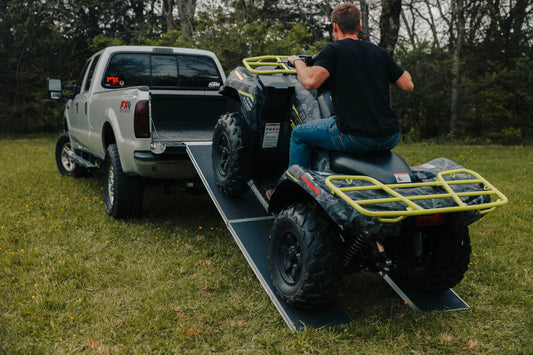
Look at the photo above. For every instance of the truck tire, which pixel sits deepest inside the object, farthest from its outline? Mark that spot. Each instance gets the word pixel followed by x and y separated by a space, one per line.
pixel 123 194
pixel 304 256
pixel 228 155
pixel 450 256
pixel 65 164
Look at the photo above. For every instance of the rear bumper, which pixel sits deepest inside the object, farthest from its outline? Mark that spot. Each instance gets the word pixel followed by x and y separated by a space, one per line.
pixel 173 164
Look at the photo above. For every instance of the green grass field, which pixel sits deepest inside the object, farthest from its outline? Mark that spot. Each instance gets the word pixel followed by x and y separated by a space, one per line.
pixel 74 280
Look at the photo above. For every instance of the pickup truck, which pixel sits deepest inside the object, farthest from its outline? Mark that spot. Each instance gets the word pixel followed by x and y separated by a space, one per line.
pixel 131 112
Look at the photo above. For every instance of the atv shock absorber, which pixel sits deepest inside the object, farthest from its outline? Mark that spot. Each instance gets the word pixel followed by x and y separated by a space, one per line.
pixel 354 249
pixel 418 244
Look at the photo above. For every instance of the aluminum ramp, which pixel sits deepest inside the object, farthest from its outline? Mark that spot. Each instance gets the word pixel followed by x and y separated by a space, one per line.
pixel 250 224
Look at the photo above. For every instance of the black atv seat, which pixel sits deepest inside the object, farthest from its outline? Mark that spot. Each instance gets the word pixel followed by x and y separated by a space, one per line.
pixel 387 167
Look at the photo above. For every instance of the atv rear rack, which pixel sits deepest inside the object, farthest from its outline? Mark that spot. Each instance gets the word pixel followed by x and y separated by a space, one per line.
pixel 408 200
pixel 268 64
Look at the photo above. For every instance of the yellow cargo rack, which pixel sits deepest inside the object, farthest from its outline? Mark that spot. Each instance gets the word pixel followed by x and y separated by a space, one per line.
pixel 411 207
pixel 279 62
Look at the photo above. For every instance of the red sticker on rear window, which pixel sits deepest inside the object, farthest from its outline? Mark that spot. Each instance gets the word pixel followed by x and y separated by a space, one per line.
pixel 113 80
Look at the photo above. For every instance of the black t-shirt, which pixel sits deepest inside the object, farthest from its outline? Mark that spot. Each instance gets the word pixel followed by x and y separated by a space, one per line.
pixel 360 73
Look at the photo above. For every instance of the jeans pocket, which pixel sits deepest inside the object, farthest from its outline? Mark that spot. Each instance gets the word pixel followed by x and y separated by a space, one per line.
pixel 337 142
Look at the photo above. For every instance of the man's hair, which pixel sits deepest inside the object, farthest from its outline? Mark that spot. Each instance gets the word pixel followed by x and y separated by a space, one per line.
pixel 348 17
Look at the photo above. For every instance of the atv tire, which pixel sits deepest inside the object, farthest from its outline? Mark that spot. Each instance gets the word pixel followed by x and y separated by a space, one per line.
pixel 123 194
pixel 228 155
pixel 450 256
pixel 65 164
pixel 304 256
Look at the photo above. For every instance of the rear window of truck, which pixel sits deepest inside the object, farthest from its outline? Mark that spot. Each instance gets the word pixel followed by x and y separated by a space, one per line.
pixel 162 71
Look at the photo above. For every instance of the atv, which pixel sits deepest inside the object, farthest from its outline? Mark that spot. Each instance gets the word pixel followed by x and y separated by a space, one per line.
pixel 348 212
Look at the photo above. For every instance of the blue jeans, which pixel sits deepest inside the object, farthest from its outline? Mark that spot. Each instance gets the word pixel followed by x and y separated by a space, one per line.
pixel 324 134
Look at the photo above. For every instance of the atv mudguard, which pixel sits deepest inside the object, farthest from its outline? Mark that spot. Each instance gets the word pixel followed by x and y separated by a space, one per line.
pixel 443 187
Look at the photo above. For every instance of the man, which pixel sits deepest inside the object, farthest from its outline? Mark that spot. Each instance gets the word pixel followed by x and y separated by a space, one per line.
pixel 359 74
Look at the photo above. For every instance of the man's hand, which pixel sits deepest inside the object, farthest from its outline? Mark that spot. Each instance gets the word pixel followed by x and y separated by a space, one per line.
pixel 292 60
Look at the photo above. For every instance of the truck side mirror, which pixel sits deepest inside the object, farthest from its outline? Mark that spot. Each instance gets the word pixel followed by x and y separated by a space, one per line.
pixel 53 89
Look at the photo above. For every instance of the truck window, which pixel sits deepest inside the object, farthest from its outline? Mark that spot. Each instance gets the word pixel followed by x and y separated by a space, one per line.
pixel 80 78
pixel 162 71
pixel 127 69
pixel 198 72
pixel 91 73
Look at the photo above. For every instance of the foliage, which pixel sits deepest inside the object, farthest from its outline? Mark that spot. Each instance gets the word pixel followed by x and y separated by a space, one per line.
pixel 496 102
pixel 174 282
pixel 42 39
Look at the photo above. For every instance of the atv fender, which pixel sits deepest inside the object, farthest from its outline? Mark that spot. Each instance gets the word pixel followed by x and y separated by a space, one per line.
pixel 287 193
pixel 298 185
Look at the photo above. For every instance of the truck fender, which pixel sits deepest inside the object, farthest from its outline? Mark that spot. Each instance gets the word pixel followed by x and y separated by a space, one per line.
pixel 66 116
pixel 111 133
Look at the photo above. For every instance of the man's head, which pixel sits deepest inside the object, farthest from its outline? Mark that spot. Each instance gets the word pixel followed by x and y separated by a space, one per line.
pixel 347 17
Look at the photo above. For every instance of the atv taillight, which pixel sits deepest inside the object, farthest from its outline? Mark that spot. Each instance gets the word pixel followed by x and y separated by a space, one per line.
pixel 141 119
pixel 430 220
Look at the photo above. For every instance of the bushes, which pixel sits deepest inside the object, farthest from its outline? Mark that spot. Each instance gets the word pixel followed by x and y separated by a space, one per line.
pixel 495 98
pixel 496 92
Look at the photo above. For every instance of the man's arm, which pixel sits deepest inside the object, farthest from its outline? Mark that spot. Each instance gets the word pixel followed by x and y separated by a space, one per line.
pixel 310 77
pixel 405 82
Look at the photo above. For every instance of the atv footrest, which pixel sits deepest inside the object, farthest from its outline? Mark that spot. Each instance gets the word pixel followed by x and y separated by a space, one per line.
pixel 250 226
pixel 422 300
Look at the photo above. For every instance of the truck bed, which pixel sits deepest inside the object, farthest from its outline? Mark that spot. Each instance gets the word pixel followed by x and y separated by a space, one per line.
pixel 185 117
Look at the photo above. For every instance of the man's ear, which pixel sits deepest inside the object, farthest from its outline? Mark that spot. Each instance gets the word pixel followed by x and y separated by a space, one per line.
pixel 359 29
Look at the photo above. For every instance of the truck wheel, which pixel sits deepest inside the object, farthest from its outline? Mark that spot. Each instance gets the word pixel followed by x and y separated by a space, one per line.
pixel 123 194
pixel 65 164
pixel 450 248
pixel 304 256
pixel 228 156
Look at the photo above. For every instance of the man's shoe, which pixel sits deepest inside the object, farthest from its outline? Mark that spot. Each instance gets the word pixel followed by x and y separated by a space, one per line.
pixel 268 194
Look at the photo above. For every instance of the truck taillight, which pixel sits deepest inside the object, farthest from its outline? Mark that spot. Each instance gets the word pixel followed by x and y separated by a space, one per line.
pixel 141 120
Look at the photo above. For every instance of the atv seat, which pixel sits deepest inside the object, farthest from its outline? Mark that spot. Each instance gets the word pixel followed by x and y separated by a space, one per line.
pixel 387 167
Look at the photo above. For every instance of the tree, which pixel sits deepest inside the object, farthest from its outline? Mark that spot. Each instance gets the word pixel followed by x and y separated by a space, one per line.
pixel 389 24
pixel 459 20
pixel 186 10
pixel 168 8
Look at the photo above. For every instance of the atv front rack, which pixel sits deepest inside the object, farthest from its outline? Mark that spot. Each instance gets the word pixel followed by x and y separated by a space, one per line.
pixel 268 64
pixel 381 207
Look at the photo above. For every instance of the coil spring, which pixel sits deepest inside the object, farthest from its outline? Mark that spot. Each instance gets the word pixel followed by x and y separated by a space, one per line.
pixel 418 244
pixel 354 249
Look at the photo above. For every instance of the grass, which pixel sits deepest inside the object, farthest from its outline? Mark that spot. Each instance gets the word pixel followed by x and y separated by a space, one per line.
pixel 74 280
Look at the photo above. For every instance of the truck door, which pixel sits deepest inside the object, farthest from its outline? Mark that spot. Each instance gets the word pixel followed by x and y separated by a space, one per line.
pixel 82 104
pixel 93 131
pixel 75 121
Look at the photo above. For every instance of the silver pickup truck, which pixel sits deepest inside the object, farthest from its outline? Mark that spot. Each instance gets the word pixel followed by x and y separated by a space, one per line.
pixel 131 112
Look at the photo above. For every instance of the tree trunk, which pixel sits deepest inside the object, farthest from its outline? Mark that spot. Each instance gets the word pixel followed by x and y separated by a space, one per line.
pixel 186 9
pixel 389 24
pixel 168 7
pixel 457 8
pixel 365 29
pixel 410 30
